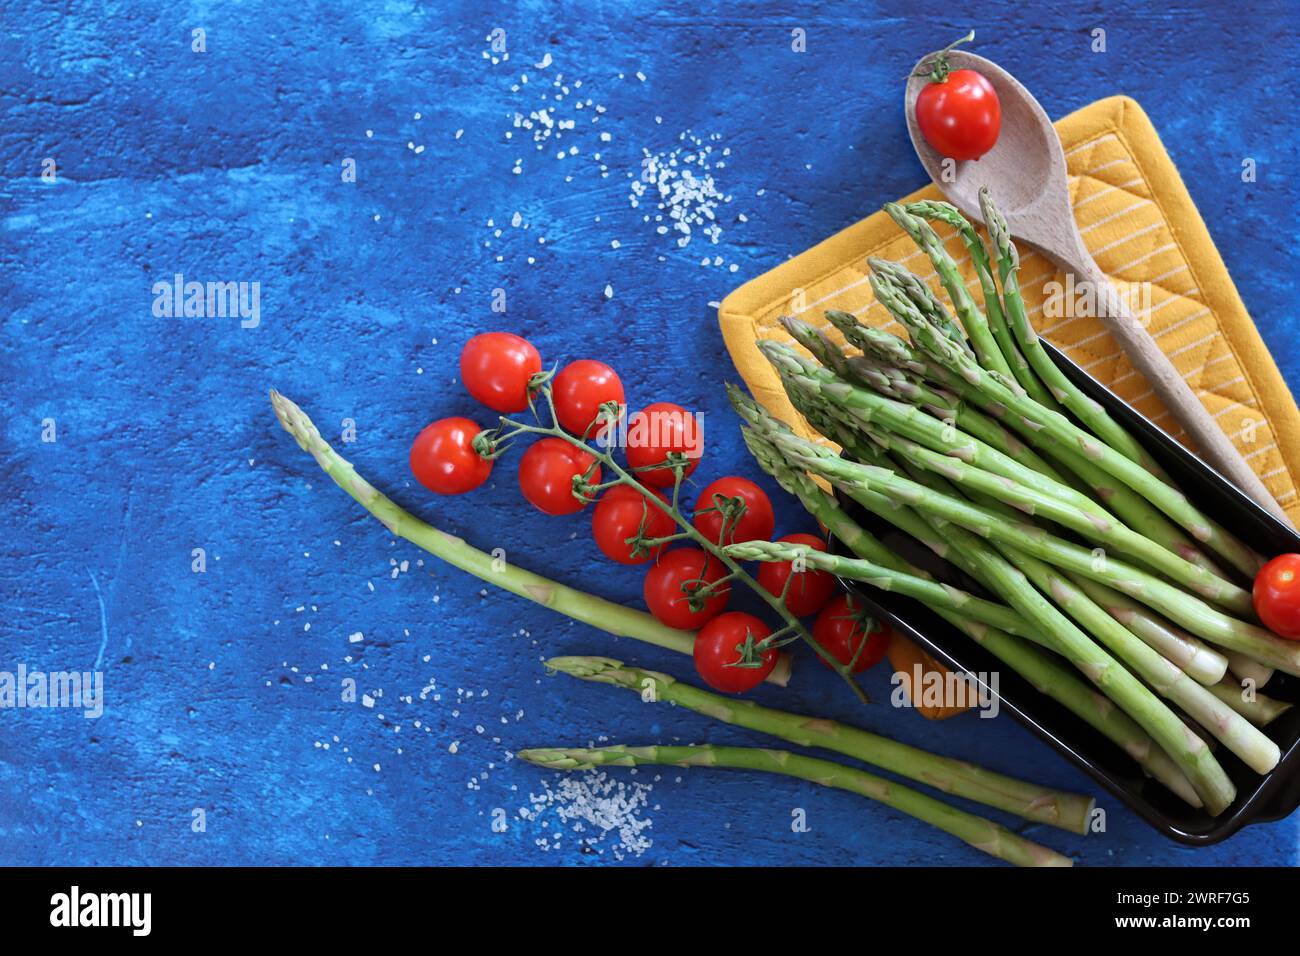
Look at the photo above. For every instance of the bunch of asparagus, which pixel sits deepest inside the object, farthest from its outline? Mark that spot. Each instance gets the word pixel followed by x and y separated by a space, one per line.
pixel 971 440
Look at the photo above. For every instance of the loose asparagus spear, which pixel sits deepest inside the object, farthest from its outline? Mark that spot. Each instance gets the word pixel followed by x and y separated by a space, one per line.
pixel 944 212
pixel 986 348
pixel 995 395
pixel 1097 420
pixel 983 835
pixel 587 608
pixel 1069 811
pixel 1109 677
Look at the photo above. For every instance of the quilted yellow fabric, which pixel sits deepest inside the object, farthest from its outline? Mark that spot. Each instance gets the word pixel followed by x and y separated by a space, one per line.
pixel 1141 226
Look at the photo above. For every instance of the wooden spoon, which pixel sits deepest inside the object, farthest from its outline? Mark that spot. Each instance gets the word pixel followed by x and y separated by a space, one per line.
pixel 1026 174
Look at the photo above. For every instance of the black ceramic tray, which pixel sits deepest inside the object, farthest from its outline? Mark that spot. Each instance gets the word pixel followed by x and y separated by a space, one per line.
pixel 1259 798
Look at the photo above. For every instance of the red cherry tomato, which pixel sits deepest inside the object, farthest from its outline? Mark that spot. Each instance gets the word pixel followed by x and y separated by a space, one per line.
pixel 756 524
pixel 664 582
pixel 657 430
pixel 717 653
pixel 546 473
pixel 960 116
pixel 1277 596
pixel 809 590
pixel 619 515
pixel 444 460
pixel 579 390
pixel 841 628
pixel 496 368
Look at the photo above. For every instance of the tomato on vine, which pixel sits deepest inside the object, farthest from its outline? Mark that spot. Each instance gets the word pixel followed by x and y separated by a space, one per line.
pixel 497 368
pixel 546 473
pixel 676 575
pixel 622 513
pixel 958 110
pixel 579 391
pixel 718 653
pixel 443 458
pixel 755 523
pixel 843 626
pixel 1277 596
pixel 808 590
pixel 657 431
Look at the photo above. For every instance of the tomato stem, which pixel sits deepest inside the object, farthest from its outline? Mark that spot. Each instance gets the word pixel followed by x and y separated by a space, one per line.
pixel 730 508
pixel 939 68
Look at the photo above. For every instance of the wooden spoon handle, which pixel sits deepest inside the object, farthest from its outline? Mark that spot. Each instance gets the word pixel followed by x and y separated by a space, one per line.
pixel 1168 383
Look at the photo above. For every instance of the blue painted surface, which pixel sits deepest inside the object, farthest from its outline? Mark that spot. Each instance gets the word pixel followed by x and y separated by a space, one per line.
pixel 225 165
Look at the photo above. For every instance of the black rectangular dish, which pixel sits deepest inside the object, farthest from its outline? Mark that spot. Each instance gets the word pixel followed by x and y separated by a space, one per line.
pixel 1259 798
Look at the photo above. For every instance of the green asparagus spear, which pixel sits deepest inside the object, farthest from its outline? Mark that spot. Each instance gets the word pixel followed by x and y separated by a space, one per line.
pixel 983 835
pixel 986 348
pixel 1093 416
pixel 1039 669
pixel 587 608
pixel 996 396
pixel 1136 512
pixel 944 212
pixel 1069 811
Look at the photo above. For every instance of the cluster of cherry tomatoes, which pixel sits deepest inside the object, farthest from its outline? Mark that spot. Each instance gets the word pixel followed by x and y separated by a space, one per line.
pixel 503 370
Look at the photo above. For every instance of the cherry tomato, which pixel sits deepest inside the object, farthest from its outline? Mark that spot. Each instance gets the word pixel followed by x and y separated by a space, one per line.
pixel 663 587
pixel 496 368
pixel 960 115
pixel 717 652
pixel 579 390
pixel 1277 596
pixel 809 590
pixel 657 430
pixel 619 515
pixel 546 473
pixel 444 460
pixel 756 524
pixel 841 627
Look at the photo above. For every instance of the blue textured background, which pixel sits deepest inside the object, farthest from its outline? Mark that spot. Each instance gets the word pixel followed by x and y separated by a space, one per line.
pixel 226 166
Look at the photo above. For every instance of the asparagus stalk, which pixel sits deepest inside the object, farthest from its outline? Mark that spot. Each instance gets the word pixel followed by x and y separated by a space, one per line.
pixel 982 834
pixel 994 394
pixel 1248 668
pixel 1259 709
pixel 1111 677
pixel 1040 670
pixel 1130 506
pixel 928 592
pixel 894 383
pixel 587 608
pixel 986 348
pixel 1185 609
pixel 938 211
pixel 1170 682
pixel 1092 526
pixel 1167 679
pixel 1069 811
pixel 908 420
pixel 1093 416
pixel 1204 664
